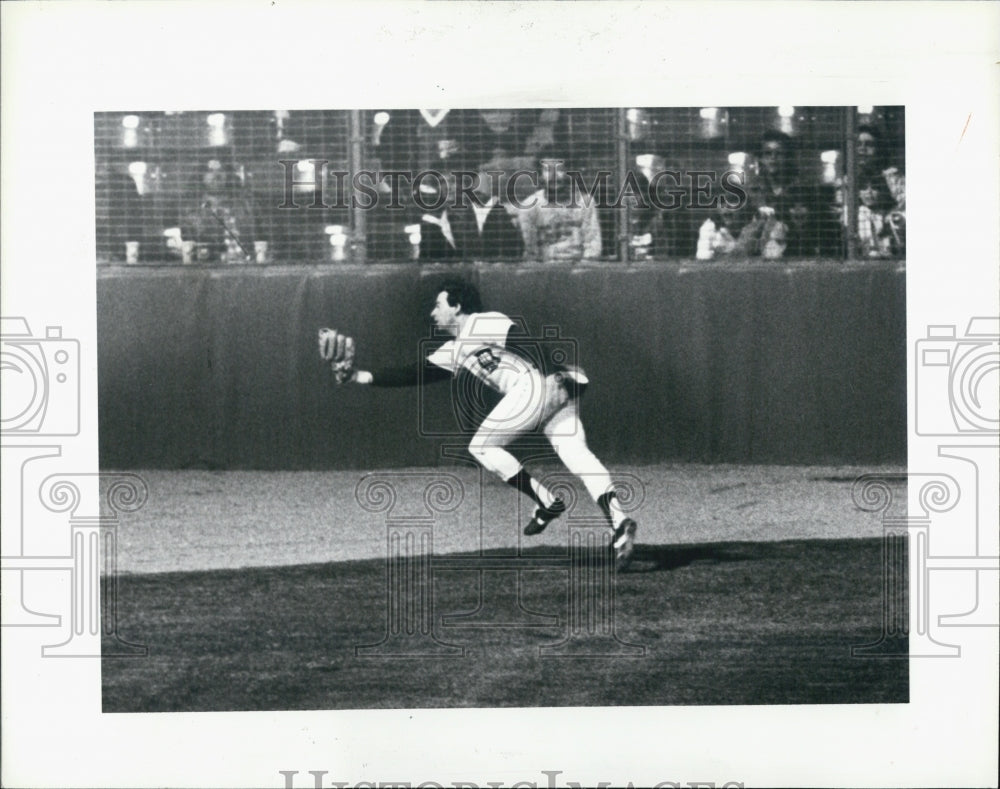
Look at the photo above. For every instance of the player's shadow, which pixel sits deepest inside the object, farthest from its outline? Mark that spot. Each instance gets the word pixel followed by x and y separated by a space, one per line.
pixel 656 558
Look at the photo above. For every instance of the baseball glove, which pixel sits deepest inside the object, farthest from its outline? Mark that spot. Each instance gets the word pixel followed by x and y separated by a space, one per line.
pixel 338 350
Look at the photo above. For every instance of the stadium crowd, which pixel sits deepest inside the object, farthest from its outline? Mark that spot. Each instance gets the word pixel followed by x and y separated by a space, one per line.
pixel 500 185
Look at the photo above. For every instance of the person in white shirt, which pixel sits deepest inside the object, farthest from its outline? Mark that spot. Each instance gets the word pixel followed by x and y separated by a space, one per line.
pixel 558 223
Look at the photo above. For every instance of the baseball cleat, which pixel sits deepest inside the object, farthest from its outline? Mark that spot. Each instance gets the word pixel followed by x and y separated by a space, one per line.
pixel 543 516
pixel 623 543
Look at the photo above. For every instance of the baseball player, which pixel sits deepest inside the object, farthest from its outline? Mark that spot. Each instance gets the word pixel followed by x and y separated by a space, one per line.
pixel 490 350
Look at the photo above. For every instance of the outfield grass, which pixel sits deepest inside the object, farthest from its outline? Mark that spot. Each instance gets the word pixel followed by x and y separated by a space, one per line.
pixel 717 622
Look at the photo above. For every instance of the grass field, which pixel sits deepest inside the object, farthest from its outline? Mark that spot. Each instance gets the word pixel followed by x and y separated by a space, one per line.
pixel 719 623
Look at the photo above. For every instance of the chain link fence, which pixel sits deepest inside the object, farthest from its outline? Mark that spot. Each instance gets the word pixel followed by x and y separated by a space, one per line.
pixel 618 185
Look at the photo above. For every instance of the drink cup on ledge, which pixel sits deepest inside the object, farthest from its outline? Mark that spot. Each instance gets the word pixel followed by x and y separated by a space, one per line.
pixel 413 234
pixel 260 252
pixel 187 252
pixel 131 252
pixel 172 241
pixel 338 242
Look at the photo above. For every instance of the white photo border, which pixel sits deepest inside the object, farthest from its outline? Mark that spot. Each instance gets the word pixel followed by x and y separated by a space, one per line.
pixel 64 61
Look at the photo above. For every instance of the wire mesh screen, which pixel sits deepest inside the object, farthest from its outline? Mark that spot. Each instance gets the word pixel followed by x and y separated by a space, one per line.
pixel 207 187
pixel 506 185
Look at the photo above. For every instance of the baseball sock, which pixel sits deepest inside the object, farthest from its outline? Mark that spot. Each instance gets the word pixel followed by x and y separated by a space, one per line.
pixel 608 502
pixel 530 486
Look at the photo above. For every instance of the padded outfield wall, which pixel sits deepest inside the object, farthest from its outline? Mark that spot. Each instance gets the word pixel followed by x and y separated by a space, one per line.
pixel 723 362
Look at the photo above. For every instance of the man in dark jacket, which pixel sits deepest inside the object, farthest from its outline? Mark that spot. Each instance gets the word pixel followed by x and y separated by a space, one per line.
pixel 475 225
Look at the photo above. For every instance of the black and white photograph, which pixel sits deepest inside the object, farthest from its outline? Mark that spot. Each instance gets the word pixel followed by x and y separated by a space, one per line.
pixel 541 404
pixel 611 417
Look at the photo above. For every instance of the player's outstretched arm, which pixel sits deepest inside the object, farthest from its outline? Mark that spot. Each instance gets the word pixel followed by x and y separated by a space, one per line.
pixel 338 350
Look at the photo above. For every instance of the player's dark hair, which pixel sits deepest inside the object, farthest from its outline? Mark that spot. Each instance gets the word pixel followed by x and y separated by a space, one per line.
pixel 464 293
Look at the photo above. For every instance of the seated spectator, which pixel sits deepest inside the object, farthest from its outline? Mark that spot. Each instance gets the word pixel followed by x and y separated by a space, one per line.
pixel 120 214
pixel 714 237
pixel 473 229
pixel 881 229
pixel 881 199
pixel 782 212
pixel 436 239
pixel 557 222
pixel 871 155
pixel 646 237
pixel 222 220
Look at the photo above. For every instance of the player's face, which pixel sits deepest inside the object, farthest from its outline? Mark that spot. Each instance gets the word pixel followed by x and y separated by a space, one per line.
pixel 444 315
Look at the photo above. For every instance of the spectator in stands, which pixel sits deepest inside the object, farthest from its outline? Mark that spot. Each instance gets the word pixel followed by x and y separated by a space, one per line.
pixel 871 155
pixel 881 199
pixel 557 222
pixel 436 239
pixel 223 219
pixel 120 213
pixel 474 229
pixel 781 215
pixel 646 236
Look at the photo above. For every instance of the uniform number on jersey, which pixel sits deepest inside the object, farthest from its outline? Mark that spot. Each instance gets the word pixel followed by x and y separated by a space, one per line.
pixel 487 360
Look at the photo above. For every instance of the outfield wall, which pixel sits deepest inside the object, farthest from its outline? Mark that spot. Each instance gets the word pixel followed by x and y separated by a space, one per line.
pixel 762 363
